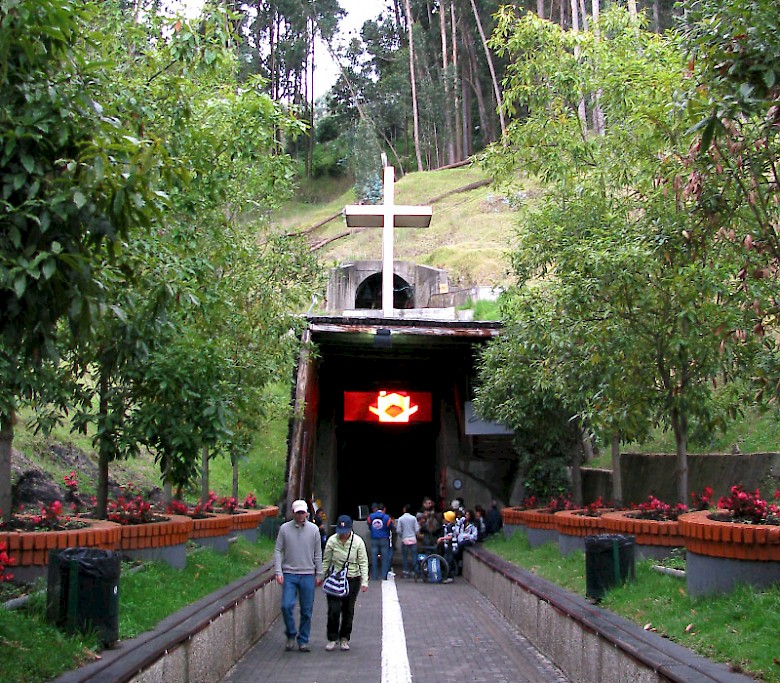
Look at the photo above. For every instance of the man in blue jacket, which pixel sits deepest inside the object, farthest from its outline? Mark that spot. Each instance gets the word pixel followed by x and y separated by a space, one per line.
pixel 381 526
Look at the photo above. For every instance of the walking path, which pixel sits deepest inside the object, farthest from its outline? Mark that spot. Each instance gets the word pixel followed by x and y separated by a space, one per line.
pixel 405 631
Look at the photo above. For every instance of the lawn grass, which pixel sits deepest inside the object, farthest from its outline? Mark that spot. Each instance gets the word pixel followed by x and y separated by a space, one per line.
pixel 741 628
pixel 35 651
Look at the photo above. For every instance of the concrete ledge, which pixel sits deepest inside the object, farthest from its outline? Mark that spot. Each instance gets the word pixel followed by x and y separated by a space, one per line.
pixel 197 644
pixel 587 642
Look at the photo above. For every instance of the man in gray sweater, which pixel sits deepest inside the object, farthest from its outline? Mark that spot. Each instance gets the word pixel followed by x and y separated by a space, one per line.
pixel 298 565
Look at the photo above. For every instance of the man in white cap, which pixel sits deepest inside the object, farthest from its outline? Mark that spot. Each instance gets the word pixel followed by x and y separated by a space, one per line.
pixel 298 567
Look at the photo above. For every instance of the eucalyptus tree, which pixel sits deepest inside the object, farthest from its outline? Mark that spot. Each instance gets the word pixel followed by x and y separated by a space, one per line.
pixel 635 290
pixel 75 179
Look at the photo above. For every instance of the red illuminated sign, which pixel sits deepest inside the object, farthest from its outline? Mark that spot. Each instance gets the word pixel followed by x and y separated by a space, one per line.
pixel 387 406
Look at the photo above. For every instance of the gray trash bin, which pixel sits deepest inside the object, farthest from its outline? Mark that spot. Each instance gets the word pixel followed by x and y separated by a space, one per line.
pixel 609 561
pixel 83 591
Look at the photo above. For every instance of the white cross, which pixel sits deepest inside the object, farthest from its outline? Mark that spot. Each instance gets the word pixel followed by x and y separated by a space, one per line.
pixel 387 216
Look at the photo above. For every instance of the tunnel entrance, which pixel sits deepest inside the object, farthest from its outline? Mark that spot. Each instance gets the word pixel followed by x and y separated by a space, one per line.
pixel 369 293
pixel 380 416
pixel 388 464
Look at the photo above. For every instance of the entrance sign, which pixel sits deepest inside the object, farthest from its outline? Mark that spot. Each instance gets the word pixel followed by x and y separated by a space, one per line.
pixel 388 407
pixel 387 216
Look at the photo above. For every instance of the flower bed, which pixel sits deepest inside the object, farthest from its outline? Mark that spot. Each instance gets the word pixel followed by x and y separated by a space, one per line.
pixel 29 550
pixel 512 520
pixel 739 545
pixel 574 525
pixel 162 540
pixel 246 522
pixel 539 526
pixel 214 531
pixel 654 538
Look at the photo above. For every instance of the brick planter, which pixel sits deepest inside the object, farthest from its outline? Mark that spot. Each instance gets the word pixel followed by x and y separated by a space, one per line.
pixel 30 549
pixel 512 521
pixel 654 539
pixel 245 523
pixel 573 526
pixel 721 554
pixel 213 531
pixel 539 526
pixel 163 541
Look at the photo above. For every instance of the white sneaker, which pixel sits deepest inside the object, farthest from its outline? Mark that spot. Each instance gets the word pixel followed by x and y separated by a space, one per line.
pixel 344 644
pixel 331 645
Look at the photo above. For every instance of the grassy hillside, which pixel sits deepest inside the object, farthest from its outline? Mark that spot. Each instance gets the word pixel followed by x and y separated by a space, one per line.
pixel 261 471
pixel 469 237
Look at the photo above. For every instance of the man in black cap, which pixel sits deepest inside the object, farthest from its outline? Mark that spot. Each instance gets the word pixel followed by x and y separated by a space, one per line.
pixel 344 548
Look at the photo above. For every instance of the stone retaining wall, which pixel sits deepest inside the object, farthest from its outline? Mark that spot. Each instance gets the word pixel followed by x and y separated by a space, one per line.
pixel 198 644
pixel 585 641
pixel 202 642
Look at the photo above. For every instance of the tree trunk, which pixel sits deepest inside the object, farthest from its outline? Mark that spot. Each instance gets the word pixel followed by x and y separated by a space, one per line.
pixel 104 449
pixel 680 426
pixel 449 132
pixel 617 480
pixel 399 22
pixel 489 58
pixel 414 87
pixel 599 123
pixel 234 463
pixel 657 16
pixel 466 116
pixel 584 15
pixel 204 474
pixel 7 421
pixel 632 12
pixel 459 153
pixel 576 475
pixel 581 112
pixel 540 8
pixel 310 146
pixel 587 444
pixel 167 487
pixel 485 121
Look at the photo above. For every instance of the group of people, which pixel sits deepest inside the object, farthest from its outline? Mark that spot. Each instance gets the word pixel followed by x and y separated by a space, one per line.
pixel 450 533
pixel 303 555
pixel 447 533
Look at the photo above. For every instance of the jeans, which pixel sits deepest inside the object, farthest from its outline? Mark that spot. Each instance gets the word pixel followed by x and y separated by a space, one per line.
pixel 298 587
pixel 380 546
pixel 408 558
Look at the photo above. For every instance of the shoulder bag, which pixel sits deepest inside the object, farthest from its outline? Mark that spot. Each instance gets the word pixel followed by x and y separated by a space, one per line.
pixel 336 585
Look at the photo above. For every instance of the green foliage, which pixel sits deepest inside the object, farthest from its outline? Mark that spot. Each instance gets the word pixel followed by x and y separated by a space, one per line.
pixel 483 309
pixel 330 159
pixel 366 166
pixel 618 310
pixel 41 652
pixel 738 628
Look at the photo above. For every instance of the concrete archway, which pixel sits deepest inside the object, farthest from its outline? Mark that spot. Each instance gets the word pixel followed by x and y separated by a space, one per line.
pixel 369 293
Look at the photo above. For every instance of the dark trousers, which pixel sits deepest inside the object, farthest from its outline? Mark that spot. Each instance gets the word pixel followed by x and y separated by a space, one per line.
pixel 341 612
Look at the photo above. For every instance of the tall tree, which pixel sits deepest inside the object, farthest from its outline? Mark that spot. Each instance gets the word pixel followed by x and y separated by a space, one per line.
pixel 75 178
pixel 413 81
pixel 634 288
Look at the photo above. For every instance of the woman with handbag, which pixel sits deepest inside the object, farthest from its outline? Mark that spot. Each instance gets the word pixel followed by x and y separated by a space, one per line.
pixel 345 552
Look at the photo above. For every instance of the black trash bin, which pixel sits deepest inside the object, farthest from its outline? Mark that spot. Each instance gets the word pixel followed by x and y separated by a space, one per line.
pixel 609 561
pixel 83 591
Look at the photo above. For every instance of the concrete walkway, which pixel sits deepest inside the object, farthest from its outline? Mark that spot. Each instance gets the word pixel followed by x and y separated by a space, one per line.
pixel 405 631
